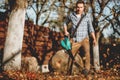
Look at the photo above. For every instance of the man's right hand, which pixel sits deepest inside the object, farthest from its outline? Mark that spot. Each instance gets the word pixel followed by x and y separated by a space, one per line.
pixel 66 33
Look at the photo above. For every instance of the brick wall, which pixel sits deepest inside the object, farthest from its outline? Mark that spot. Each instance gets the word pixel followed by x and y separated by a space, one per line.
pixel 38 41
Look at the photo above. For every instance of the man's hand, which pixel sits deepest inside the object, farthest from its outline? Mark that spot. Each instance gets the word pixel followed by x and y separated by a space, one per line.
pixel 66 33
pixel 94 42
pixel 94 39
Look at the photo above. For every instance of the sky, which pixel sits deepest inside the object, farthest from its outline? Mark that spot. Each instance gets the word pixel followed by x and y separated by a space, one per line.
pixel 1 1
pixel 107 32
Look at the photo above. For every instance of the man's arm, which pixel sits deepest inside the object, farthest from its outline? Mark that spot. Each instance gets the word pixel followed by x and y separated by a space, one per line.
pixel 67 20
pixel 65 31
pixel 94 38
pixel 91 30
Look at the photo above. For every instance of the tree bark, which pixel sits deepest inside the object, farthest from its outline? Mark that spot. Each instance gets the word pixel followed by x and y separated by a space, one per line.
pixel 14 38
pixel 61 63
pixel 96 59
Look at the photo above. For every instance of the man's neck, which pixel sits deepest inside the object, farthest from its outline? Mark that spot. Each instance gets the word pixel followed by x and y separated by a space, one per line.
pixel 79 13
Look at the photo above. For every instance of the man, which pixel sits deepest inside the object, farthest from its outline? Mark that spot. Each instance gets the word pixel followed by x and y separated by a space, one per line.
pixel 81 36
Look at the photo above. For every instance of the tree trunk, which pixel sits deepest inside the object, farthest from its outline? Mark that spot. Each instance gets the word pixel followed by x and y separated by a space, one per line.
pixel 37 19
pixel 61 63
pixel 96 56
pixel 13 43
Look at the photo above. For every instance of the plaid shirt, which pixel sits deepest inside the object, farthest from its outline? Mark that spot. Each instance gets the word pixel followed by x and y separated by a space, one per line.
pixel 85 27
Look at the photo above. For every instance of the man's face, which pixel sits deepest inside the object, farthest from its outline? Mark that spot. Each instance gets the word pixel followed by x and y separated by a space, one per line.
pixel 80 8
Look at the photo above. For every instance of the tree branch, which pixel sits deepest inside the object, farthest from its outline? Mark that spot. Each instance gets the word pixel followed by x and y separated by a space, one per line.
pixel 102 6
pixel 46 19
pixel 33 9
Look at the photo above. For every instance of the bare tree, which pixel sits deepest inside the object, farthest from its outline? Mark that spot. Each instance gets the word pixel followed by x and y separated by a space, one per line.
pixel 42 7
pixel 13 43
pixel 115 21
pixel 101 21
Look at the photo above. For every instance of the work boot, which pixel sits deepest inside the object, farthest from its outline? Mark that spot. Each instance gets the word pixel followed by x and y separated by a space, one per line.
pixel 85 72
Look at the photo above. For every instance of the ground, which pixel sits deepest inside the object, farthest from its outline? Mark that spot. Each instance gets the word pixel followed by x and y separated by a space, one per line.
pixel 110 74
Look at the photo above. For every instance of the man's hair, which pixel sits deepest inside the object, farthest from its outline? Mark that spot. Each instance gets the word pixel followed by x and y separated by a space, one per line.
pixel 80 2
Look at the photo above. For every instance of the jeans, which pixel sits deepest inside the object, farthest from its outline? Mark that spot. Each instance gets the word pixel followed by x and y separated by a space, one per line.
pixel 86 47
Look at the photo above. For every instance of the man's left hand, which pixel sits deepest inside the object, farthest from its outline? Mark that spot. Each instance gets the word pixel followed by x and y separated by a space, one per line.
pixel 94 42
